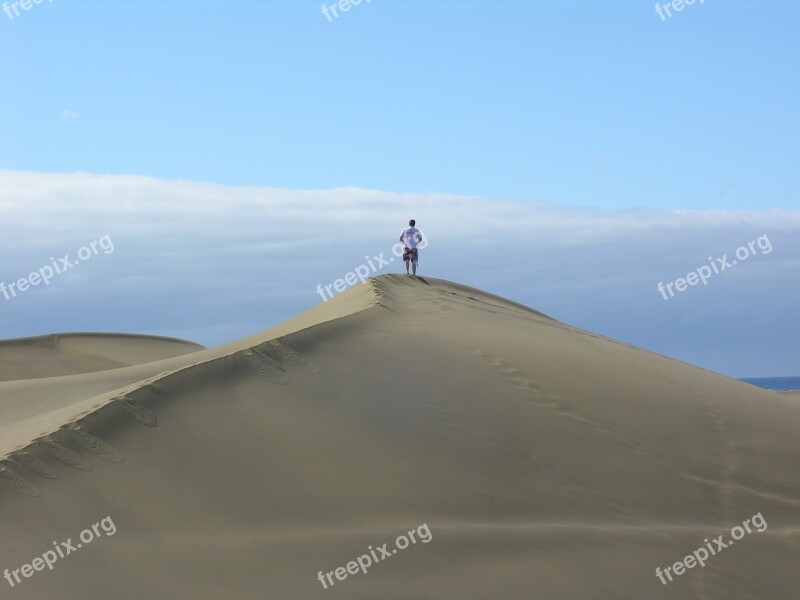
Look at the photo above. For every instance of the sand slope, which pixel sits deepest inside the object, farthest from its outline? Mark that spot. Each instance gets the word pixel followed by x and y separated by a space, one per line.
pixel 547 462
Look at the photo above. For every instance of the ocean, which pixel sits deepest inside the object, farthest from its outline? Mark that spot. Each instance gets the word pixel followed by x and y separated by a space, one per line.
pixel 777 384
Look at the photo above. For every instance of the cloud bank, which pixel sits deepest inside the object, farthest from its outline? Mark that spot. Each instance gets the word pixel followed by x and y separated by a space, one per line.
pixel 212 263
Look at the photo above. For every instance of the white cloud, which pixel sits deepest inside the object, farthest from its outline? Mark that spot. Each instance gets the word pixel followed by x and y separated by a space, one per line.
pixel 67 115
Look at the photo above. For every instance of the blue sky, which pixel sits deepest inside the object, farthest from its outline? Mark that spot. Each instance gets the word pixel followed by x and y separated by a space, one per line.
pixel 567 155
pixel 580 103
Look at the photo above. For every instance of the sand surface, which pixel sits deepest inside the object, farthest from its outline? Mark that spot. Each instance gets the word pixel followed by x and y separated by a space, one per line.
pixel 545 461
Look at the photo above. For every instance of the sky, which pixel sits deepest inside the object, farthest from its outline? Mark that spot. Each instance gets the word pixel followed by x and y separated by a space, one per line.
pixel 568 155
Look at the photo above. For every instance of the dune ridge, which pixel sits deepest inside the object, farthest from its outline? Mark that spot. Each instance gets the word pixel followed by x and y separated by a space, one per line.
pixel 64 415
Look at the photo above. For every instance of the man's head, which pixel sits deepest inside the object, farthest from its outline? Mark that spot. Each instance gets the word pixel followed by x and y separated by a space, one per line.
pixel 412 222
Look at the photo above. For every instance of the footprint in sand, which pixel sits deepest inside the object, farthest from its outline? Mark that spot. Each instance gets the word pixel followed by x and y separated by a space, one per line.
pixel 138 412
pixel 64 454
pixel 289 356
pixel 16 483
pixel 94 444
pixel 562 408
pixel 35 465
pixel 265 366
pixel 156 389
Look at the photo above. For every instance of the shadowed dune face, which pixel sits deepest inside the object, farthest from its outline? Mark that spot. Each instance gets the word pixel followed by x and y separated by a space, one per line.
pixel 70 354
pixel 543 461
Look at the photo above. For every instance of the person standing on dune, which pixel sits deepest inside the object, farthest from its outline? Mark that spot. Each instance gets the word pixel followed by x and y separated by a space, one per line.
pixel 411 236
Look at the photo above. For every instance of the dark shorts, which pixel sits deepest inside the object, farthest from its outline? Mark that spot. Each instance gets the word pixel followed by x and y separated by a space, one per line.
pixel 410 254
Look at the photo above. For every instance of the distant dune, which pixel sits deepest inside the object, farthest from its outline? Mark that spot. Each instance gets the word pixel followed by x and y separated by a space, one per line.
pixel 545 462
pixel 72 353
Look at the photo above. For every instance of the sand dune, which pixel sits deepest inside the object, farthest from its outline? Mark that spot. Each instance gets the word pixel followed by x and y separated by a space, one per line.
pixel 71 353
pixel 544 461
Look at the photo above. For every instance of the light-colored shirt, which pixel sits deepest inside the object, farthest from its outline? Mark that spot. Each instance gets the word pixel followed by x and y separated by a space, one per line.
pixel 411 237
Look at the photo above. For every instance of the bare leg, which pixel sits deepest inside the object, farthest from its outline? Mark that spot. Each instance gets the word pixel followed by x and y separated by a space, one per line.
pixel 406 267
pixel 414 267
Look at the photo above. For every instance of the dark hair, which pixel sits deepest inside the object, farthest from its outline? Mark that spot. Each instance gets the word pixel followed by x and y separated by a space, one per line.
pixel 412 222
